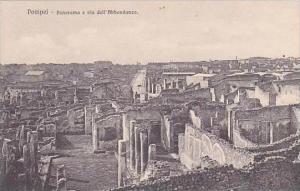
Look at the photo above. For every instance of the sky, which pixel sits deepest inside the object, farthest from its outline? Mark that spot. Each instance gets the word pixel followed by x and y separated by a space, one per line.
pixel 161 31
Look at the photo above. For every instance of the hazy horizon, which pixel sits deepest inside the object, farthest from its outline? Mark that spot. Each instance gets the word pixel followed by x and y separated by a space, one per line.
pixel 163 31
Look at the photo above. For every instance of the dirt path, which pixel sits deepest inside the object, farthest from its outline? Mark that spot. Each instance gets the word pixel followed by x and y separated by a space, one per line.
pixel 85 170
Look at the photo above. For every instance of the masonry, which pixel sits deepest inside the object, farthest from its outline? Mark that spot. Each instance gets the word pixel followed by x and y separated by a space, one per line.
pixel 263 126
pixel 195 144
pixel 276 174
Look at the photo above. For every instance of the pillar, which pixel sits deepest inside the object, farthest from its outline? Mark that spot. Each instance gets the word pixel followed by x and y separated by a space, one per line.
pixel 21 138
pixel 88 121
pixel 132 145
pixel 152 152
pixel 61 178
pixel 148 85
pixel 271 133
pixel 95 137
pixel 144 150
pixel 33 154
pixel 125 128
pixel 5 153
pixel 86 125
pixel 34 137
pixel 152 88
pixel 137 150
pixel 121 161
pixel 213 95
pixel 231 122
pixel 26 157
pixel 28 136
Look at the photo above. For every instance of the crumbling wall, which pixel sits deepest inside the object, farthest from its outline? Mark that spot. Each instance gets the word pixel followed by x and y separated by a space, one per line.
pixel 198 143
pixel 270 175
pixel 106 128
pixel 265 125
pixel 188 95
pixel 109 127
pixel 196 121
pixel 75 117
pixel 222 178
pixel 240 141
pixel 138 115
pixel 172 126
pixel 210 116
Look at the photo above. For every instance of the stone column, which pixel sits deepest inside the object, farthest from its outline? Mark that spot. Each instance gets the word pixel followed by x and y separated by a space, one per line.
pixel 132 145
pixel 125 128
pixel 34 137
pixel 95 137
pixel 86 125
pixel 152 88
pixel 61 178
pixel 137 150
pixel 88 121
pixel 33 154
pixel 213 95
pixel 152 152
pixel 144 150
pixel 271 133
pixel 230 124
pixel 26 157
pixel 5 152
pixel 121 162
pixel 148 85
pixel 28 136
pixel 21 138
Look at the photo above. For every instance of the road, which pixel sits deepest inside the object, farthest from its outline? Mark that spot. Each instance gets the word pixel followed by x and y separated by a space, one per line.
pixel 85 170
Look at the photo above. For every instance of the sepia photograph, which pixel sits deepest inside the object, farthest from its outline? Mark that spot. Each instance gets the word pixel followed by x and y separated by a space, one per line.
pixel 127 95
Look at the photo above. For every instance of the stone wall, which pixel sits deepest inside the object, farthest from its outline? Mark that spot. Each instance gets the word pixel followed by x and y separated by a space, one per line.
pixel 240 141
pixel 110 125
pixel 138 115
pixel 172 125
pixel 105 128
pixel 270 175
pixel 196 121
pixel 188 95
pixel 266 125
pixel 198 143
pixel 208 115
pixel 75 121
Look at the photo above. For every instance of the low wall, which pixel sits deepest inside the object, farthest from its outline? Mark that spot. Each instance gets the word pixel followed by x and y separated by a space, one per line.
pixel 217 179
pixel 270 175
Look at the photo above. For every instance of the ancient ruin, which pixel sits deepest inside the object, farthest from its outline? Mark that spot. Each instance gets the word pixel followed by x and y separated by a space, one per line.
pixel 156 96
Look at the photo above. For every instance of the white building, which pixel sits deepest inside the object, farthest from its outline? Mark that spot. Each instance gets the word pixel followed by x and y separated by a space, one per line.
pixel 200 78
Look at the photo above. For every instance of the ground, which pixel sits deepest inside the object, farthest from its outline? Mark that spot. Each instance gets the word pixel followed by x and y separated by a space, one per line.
pixel 85 170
